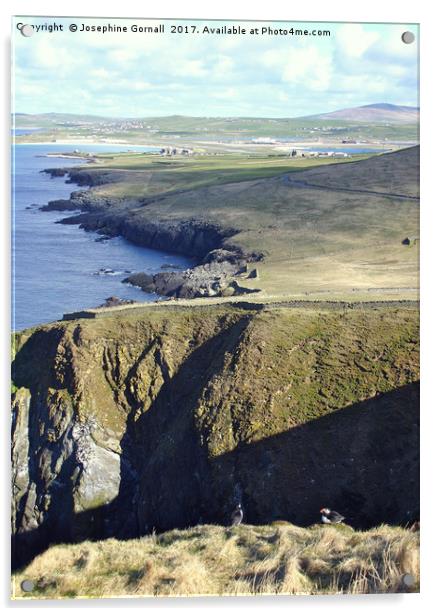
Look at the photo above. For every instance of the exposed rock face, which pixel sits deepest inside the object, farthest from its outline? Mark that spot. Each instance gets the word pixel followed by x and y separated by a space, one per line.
pixel 112 301
pixel 56 172
pixel 219 260
pixel 84 177
pixel 208 280
pixel 112 216
pixel 122 425
pixel 193 238
pixel 59 205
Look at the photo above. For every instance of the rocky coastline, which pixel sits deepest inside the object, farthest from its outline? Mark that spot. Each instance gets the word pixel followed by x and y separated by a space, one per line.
pixel 220 267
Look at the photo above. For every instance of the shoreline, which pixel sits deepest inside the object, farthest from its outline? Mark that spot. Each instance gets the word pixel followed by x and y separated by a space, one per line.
pixel 135 256
pixel 226 146
pixel 67 156
pixel 85 142
pixel 219 269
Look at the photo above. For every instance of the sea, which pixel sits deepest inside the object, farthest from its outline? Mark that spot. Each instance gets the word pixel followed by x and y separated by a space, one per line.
pixel 61 268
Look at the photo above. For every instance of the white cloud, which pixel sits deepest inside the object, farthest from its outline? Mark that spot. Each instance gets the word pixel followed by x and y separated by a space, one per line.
pixel 309 66
pixel 101 73
pixel 222 67
pixel 227 93
pixel 128 73
pixel 354 40
pixel 47 54
pixel 191 68
pixel 141 86
pixel 122 57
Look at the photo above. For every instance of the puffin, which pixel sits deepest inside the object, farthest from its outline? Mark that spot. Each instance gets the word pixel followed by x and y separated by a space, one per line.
pixel 331 517
pixel 237 516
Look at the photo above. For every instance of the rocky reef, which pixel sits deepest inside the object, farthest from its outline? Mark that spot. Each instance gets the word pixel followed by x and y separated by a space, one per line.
pixel 167 417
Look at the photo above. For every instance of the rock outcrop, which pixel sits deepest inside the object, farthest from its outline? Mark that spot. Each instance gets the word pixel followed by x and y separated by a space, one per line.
pixel 211 279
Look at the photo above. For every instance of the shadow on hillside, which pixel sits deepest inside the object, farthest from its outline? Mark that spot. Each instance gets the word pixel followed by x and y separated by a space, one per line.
pixel 33 369
pixel 362 460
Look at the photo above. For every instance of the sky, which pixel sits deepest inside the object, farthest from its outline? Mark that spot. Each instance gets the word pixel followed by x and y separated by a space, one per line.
pixel 139 74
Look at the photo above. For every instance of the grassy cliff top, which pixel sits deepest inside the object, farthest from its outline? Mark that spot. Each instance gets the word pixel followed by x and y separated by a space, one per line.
pixel 285 366
pixel 213 560
pixel 326 228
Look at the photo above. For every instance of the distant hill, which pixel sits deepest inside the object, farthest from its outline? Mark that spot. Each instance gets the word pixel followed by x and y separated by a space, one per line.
pixel 51 119
pixel 372 122
pixel 379 112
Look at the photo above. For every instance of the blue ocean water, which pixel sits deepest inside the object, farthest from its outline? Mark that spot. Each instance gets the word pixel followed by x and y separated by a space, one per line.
pixel 55 267
pixel 25 131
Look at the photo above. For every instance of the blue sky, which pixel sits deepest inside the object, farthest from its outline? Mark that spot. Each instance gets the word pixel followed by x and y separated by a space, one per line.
pixel 136 75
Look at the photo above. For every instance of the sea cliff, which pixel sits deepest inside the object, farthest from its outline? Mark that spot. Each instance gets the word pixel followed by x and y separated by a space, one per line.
pixel 166 417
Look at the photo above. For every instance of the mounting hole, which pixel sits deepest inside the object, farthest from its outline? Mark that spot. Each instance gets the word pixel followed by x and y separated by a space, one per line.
pixel 408 37
pixel 408 580
pixel 26 30
pixel 27 585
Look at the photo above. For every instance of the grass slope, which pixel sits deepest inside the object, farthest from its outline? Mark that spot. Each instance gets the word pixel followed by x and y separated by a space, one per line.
pixel 325 229
pixel 287 366
pixel 213 560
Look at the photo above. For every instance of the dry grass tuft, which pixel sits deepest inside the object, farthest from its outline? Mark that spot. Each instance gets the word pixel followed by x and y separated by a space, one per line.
pixel 212 560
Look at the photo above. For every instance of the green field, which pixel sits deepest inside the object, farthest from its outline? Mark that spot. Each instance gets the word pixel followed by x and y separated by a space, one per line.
pixel 149 174
pixel 327 228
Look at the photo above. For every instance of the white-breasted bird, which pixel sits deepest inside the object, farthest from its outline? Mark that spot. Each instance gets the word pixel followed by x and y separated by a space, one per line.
pixel 237 516
pixel 331 517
